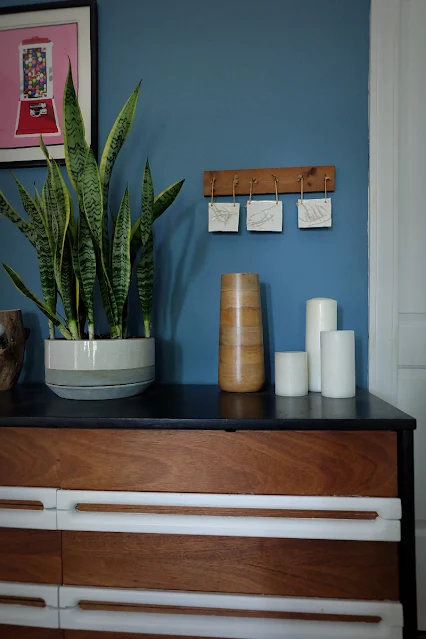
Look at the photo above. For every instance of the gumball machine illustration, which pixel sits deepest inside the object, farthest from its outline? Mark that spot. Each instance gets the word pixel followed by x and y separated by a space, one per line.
pixel 36 108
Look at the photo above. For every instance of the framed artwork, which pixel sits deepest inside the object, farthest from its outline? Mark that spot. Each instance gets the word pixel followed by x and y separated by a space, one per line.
pixel 36 44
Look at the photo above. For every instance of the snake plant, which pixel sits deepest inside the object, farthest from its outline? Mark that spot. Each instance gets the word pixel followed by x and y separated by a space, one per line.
pixel 71 232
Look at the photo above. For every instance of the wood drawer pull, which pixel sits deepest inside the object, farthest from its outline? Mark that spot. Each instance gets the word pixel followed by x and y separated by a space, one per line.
pixel 35 602
pixel 33 508
pixel 20 504
pixel 344 518
pixel 31 605
pixel 226 612
pixel 226 512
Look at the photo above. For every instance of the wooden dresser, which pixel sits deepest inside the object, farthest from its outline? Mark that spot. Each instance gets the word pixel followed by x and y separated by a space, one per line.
pixel 189 512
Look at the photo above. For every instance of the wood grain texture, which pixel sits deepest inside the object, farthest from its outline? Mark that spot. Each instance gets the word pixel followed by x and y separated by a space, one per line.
pixel 225 612
pixel 29 457
pixel 12 349
pixel 20 632
pixel 241 358
pixel 226 512
pixel 259 462
pixel 20 504
pixel 32 602
pixel 32 556
pixel 265 183
pixel 297 568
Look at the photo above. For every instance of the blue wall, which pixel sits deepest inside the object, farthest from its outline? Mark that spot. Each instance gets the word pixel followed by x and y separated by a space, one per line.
pixel 231 84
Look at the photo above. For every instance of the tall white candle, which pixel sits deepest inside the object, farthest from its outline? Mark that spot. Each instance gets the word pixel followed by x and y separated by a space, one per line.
pixel 321 315
pixel 291 374
pixel 338 364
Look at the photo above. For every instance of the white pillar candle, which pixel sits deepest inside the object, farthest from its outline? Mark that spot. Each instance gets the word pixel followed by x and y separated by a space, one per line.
pixel 321 315
pixel 338 364
pixel 291 374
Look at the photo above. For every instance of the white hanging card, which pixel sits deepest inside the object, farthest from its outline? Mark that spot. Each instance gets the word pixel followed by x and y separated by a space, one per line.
pixel 265 216
pixel 313 214
pixel 224 217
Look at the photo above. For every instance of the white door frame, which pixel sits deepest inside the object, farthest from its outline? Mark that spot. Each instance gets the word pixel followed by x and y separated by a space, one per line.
pixel 383 197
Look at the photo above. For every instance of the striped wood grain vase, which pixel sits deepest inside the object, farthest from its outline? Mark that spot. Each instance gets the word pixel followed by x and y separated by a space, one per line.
pixel 241 357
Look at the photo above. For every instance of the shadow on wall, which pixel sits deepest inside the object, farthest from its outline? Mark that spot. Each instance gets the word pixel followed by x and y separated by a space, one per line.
pixel 171 286
pixel 268 330
pixel 34 353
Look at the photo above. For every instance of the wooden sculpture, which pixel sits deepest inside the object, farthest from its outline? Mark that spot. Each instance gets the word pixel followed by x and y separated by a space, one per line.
pixel 12 348
pixel 241 357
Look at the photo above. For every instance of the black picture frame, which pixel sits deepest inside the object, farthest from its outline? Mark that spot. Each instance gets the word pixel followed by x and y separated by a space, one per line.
pixel 93 30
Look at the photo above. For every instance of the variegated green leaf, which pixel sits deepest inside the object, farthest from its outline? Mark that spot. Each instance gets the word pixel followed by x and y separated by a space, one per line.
pixel 43 247
pixel 62 200
pixel 43 147
pixel 161 202
pixel 145 281
pixel 86 270
pixel 164 199
pixel 39 201
pixel 74 134
pixel 7 211
pixel 113 145
pixel 16 279
pixel 115 141
pixel 147 209
pixel 121 267
pixel 67 288
pixel 92 198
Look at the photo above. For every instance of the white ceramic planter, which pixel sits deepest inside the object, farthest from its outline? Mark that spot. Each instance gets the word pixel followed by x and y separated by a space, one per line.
pixel 100 368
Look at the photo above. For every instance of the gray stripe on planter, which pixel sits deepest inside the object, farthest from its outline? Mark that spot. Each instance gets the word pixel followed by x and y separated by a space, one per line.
pixel 99 378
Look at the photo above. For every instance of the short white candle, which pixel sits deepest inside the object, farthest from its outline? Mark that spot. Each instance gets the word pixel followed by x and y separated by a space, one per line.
pixel 321 315
pixel 291 374
pixel 338 364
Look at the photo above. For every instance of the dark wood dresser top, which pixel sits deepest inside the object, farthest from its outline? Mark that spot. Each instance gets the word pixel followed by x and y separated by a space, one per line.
pixel 191 406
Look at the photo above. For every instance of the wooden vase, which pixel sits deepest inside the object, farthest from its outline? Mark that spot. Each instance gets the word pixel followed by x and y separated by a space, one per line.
pixel 241 357
pixel 12 356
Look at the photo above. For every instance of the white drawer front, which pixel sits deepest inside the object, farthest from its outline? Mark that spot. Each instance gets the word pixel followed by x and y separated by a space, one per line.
pixel 20 615
pixel 232 627
pixel 39 519
pixel 385 527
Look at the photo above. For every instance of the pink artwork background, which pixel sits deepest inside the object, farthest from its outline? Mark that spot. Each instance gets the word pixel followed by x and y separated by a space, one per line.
pixel 65 44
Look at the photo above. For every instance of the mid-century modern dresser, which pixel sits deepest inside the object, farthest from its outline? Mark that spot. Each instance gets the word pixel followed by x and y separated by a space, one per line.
pixel 189 512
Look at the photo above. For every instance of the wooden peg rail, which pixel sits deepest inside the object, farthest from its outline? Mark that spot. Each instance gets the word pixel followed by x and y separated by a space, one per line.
pixel 288 180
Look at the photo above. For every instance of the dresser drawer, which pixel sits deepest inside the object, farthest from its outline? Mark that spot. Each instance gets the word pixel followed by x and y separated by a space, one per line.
pixel 257 462
pixel 32 556
pixel 29 457
pixel 295 568
pixel 223 615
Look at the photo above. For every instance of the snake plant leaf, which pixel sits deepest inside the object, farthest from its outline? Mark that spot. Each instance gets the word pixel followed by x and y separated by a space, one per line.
pixel 147 209
pixel 43 247
pixel 7 211
pixel 145 281
pixel 115 141
pixel 113 145
pixel 86 270
pixel 43 147
pixel 75 144
pixel 67 289
pixel 164 199
pixel 39 202
pixel 18 282
pixel 93 210
pixel 121 267
pixel 63 207
pixel 92 198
